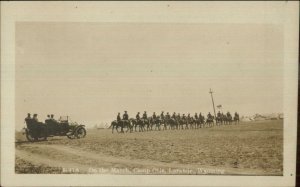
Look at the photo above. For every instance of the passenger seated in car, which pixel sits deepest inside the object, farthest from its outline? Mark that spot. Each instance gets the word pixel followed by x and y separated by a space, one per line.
pixel 28 121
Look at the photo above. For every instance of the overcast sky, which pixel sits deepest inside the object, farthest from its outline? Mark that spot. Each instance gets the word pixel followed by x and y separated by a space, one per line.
pixel 92 71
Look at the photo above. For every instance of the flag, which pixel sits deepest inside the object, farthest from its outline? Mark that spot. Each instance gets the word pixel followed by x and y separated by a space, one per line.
pixel 219 106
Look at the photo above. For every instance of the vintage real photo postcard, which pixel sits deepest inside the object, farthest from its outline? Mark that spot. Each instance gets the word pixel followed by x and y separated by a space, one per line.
pixel 149 93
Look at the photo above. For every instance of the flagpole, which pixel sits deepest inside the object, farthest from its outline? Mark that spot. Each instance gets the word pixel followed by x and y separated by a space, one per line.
pixel 212 99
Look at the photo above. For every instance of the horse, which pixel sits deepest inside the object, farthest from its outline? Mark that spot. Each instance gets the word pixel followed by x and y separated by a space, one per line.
pixel 147 123
pixel 192 123
pixel 173 123
pixel 124 124
pixel 229 119
pixel 116 124
pixel 210 121
pixel 236 119
pixel 134 124
pixel 164 123
pixel 185 122
pixel 201 121
pixel 219 120
pixel 157 123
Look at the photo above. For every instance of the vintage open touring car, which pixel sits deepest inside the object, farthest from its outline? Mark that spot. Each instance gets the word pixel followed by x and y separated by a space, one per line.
pixel 63 127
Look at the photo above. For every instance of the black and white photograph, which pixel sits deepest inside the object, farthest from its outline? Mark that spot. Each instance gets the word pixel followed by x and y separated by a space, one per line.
pixel 149 89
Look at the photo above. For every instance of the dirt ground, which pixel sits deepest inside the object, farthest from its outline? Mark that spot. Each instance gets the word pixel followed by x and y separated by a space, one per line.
pixel 250 148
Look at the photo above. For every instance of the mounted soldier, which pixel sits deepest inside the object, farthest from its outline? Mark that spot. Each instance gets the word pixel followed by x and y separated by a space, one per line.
pixel 154 116
pixel 200 116
pixel 125 121
pixel 228 114
pixel 174 116
pixel 162 116
pixel 168 116
pixel 125 116
pixel 184 117
pixel 196 116
pixel 189 118
pixel 178 117
pixel 236 118
pixel 138 118
pixel 145 115
pixel 209 116
pixel 118 117
pixel 219 114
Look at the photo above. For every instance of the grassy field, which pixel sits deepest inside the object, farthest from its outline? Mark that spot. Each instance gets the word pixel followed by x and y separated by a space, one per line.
pixel 250 148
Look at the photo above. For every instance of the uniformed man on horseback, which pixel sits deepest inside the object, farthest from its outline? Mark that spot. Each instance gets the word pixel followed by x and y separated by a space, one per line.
pixel 209 116
pixel 124 121
pixel 196 116
pixel 125 116
pixel 183 117
pixel 168 116
pixel 228 114
pixel 219 114
pixel 145 115
pixel 174 116
pixel 154 116
pixel 188 117
pixel 138 116
pixel 178 117
pixel 162 116
pixel 118 117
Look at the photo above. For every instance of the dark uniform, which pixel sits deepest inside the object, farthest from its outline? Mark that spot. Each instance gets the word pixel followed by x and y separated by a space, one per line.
pixel 28 118
pixel 178 116
pixel 138 116
pixel 28 121
pixel 188 117
pixel 35 119
pixel 154 116
pixel 145 115
pixel 174 115
pixel 168 116
pixel 118 117
pixel 196 116
pixel 219 114
pixel 125 116
pixel 162 116
pixel 209 116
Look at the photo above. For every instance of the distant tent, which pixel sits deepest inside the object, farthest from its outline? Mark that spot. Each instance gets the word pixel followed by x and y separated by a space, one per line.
pixel 246 119
pixel 280 116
